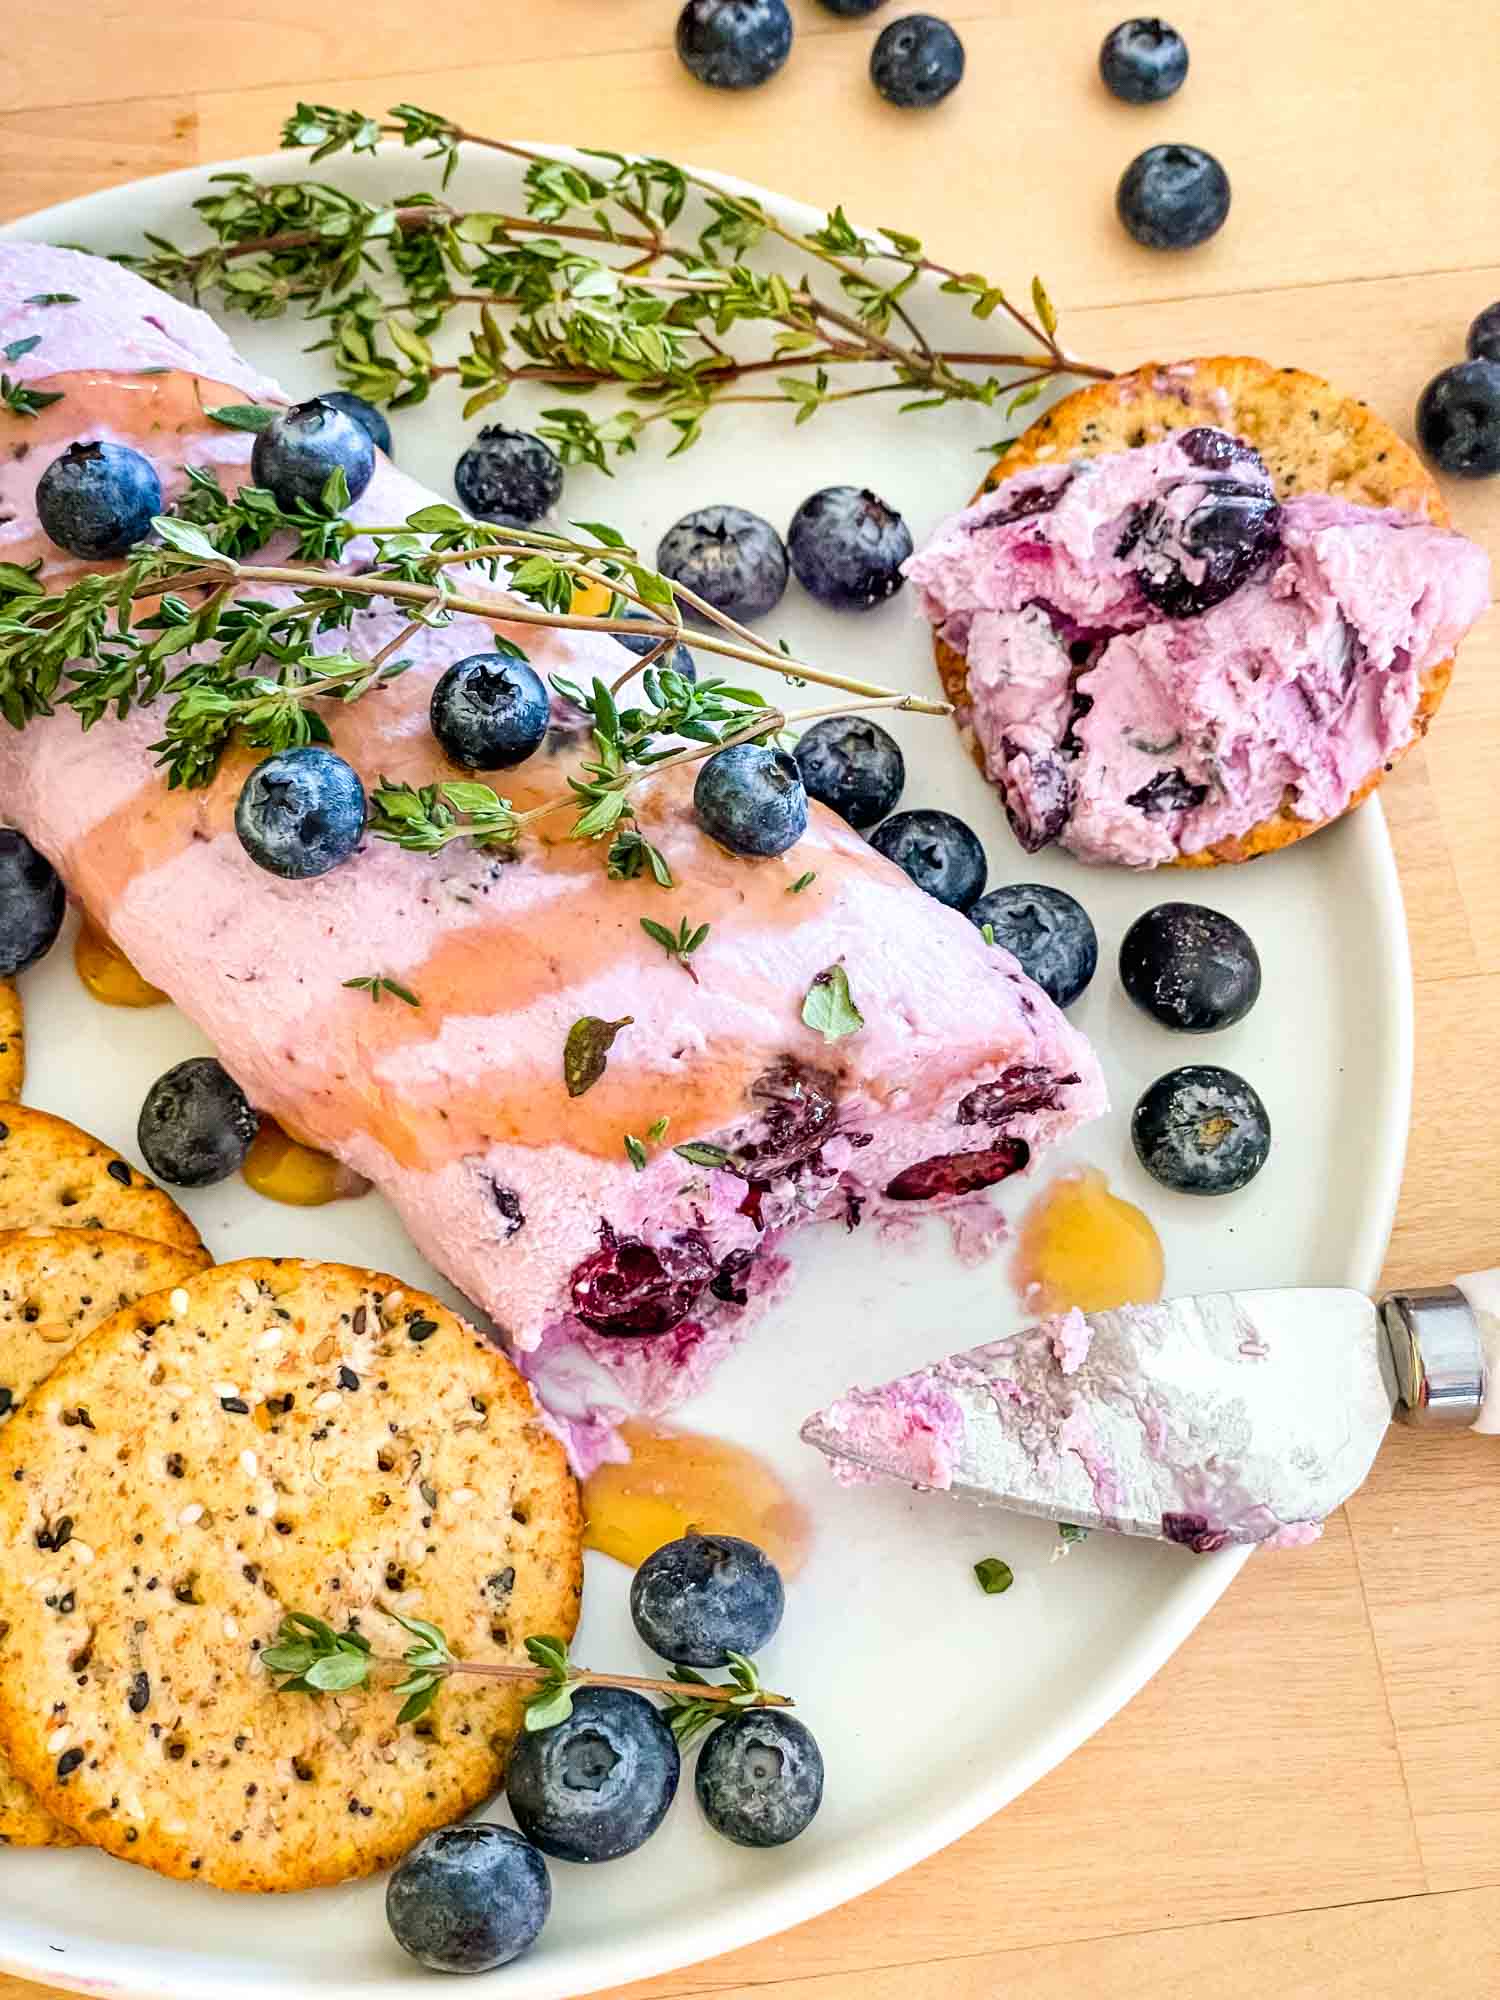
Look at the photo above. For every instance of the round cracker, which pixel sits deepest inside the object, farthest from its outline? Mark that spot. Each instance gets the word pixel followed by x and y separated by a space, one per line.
pixel 54 1176
pixel 12 1041
pixel 273 1436
pixel 1312 439
pixel 55 1287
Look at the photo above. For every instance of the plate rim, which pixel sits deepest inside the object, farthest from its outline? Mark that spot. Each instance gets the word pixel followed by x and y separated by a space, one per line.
pixel 150 1974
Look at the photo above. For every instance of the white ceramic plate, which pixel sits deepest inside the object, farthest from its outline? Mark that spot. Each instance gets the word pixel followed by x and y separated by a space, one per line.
pixel 1025 1677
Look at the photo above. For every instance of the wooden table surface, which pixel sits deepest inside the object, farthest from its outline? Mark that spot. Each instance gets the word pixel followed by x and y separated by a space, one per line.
pixel 1306 1801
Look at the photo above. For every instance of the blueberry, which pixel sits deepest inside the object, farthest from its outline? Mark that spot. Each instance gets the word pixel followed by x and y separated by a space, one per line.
pixel 1191 968
pixel 680 660
pixel 631 1290
pixel 750 799
pixel 851 10
pixel 1050 933
pixel 594 1787
pixel 97 500
pixel 299 450
pixel 489 712
pixel 853 766
pixel 1173 197
pixel 1201 1130
pixel 301 812
pixel 1185 564
pixel 1458 419
pixel 916 61
pixel 468 1898
pixel 760 1778
pixel 697 1600
pixel 508 476
pixel 196 1124
pixel 32 903
pixel 1484 335
pixel 1143 60
pixel 847 547
pixel 734 44
pixel 729 556
pixel 370 419
pixel 938 852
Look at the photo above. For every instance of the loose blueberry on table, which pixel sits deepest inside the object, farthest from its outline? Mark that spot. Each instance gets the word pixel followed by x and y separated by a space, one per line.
pixel 489 713
pixel 916 62
pixel 938 852
pixel 847 546
pixel 730 557
pixel 32 903
pixel 679 659
pixel 760 1778
pixel 850 10
pixel 598 1784
pixel 196 1125
pixel 371 420
pixel 97 500
pixel 734 44
pixel 1189 967
pixel 1458 419
pixel 1483 343
pixel 1173 197
pixel 468 1898
pixel 853 766
pixel 1048 931
pixel 699 1599
pixel 750 798
pixel 510 477
pixel 301 812
pixel 300 449
pixel 1144 60
pixel 1201 1130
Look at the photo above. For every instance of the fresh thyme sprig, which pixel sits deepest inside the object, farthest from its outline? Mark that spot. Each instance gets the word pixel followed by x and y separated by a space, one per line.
pixel 679 944
pixel 309 1657
pixel 241 666
pixel 378 983
pixel 604 282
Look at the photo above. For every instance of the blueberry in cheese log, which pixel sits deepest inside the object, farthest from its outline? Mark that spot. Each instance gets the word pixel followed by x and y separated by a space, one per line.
pixel 601 1142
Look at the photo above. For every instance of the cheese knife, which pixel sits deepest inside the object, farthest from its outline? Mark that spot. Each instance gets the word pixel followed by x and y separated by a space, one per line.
pixel 1226 1417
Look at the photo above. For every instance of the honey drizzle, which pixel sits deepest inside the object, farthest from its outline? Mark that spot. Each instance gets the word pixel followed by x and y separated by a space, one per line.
pixel 1082 1245
pixel 282 1169
pixel 676 1480
pixel 108 974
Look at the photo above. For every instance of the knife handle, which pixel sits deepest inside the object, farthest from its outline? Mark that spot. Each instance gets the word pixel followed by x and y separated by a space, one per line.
pixel 1445 1344
pixel 1482 1291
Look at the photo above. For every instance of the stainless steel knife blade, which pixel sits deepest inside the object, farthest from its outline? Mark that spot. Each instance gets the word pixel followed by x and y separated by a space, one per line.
pixel 1229 1417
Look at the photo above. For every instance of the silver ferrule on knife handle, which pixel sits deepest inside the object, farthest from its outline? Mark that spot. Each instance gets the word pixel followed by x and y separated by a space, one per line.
pixel 1445 1348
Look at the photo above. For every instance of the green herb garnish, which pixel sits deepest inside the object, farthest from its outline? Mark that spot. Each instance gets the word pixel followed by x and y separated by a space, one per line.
pixel 994 1575
pixel 19 347
pixel 242 416
pixel 636 1153
pixel 829 1007
pixel 802 882
pixel 52 299
pixel 679 945
pixel 586 1051
pixel 26 402
pixel 609 280
pixel 376 983
pixel 309 1657
pixel 699 1154
pixel 1068 1533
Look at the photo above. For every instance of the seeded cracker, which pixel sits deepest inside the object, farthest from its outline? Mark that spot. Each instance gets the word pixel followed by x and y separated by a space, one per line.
pixel 12 1041
pixel 55 1285
pixel 272 1435
pixel 54 1176
pixel 1312 439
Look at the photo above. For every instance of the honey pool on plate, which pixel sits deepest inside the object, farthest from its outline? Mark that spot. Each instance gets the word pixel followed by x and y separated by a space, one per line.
pixel 108 974
pixel 1083 1245
pixel 675 1480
